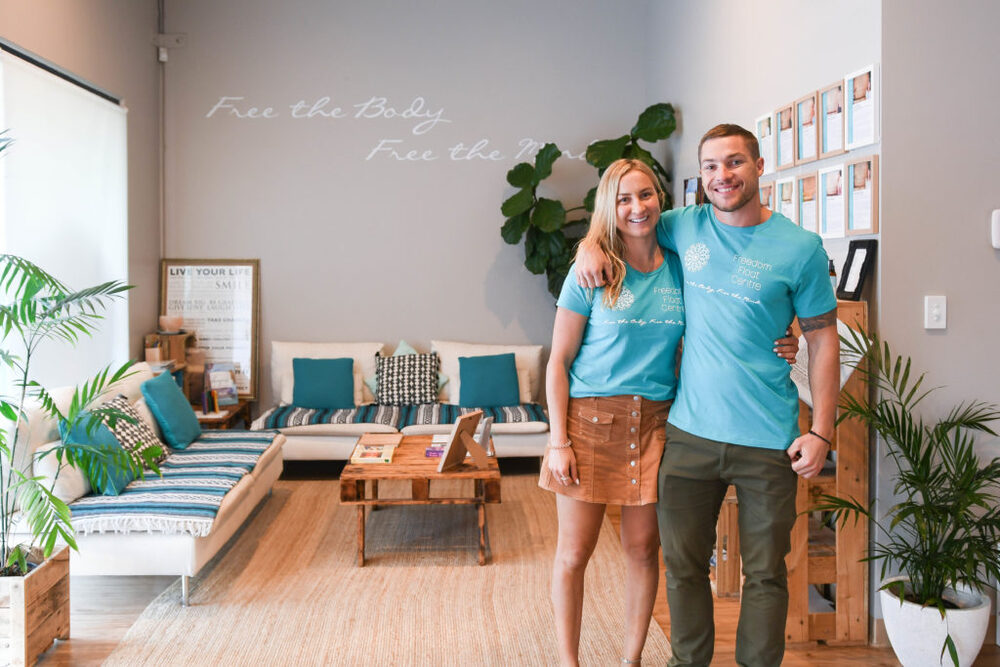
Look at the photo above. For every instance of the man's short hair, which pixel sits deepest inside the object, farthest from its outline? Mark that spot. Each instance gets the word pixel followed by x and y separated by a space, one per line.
pixel 732 130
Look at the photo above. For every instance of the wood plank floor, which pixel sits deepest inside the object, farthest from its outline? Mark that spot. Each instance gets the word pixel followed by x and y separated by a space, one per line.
pixel 104 608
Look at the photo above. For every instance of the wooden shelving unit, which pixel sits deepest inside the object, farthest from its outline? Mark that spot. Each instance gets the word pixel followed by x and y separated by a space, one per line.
pixel 822 557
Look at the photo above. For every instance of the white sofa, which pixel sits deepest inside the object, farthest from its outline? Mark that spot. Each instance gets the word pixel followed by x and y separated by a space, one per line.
pixel 147 553
pixel 336 441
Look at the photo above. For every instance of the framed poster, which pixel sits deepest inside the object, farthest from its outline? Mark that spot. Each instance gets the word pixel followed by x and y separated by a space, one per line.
pixel 808 210
pixel 784 199
pixel 860 258
pixel 766 191
pixel 861 120
pixel 832 211
pixel 765 139
pixel 693 192
pixel 806 130
pixel 862 196
pixel 831 120
pixel 785 151
pixel 219 300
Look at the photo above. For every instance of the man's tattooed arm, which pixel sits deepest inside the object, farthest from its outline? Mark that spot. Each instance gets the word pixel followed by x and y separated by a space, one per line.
pixel 818 322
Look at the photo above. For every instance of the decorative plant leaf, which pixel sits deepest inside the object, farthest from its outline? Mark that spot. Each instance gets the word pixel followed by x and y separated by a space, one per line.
pixel 518 203
pixel 549 215
pixel 514 228
pixel 544 160
pixel 637 152
pixel 522 175
pixel 655 123
pixel 602 153
pixel 588 201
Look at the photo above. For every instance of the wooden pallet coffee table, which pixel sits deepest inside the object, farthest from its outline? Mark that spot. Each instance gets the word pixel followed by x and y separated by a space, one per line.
pixel 409 463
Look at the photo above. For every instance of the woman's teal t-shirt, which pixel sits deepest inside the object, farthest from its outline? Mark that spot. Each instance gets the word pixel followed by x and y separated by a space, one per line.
pixel 632 347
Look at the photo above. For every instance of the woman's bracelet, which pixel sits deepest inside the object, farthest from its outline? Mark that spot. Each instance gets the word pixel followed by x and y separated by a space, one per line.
pixel 565 445
pixel 812 432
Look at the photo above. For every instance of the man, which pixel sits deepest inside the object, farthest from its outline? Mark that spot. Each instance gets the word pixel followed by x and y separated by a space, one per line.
pixel 747 272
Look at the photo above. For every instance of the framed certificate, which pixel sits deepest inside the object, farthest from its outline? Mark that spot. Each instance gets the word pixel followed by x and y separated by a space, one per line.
pixel 766 191
pixel 785 146
pixel 693 192
pixel 831 120
pixel 219 300
pixel 832 209
pixel 766 140
pixel 860 259
pixel 862 196
pixel 808 206
pixel 861 108
pixel 785 199
pixel 806 130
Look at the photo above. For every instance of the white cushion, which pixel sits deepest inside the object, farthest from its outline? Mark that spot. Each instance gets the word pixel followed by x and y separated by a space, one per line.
pixel 147 416
pixel 338 429
pixel 526 357
pixel 70 484
pixel 282 354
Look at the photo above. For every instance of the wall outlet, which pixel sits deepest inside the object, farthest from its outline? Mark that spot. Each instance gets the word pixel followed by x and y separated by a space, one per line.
pixel 935 312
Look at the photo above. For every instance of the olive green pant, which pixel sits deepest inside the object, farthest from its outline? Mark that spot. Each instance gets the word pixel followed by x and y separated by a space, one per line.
pixel 694 476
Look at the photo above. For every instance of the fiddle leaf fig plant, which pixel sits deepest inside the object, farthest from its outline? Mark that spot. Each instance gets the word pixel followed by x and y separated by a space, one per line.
pixel 549 236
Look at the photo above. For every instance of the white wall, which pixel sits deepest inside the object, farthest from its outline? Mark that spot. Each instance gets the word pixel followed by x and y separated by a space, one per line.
pixel 379 249
pixel 109 43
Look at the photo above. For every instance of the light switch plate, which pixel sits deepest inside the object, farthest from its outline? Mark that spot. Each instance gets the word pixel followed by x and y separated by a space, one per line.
pixel 935 312
pixel 995 228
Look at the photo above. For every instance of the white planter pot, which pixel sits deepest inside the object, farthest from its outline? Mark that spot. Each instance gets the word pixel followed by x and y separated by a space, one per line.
pixel 917 633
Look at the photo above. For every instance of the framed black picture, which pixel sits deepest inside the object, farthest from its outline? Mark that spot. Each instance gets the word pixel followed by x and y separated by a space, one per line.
pixel 860 259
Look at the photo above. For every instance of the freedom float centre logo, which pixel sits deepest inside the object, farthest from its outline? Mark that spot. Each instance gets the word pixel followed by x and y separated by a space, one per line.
pixel 696 257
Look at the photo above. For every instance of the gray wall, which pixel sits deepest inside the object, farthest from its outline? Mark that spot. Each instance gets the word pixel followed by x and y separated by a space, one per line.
pixel 379 249
pixel 110 43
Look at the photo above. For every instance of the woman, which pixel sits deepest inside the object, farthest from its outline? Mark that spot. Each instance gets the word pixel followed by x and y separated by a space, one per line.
pixel 610 379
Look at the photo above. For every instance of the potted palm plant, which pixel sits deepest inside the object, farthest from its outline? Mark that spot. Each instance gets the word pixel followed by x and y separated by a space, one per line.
pixel 35 307
pixel 943 531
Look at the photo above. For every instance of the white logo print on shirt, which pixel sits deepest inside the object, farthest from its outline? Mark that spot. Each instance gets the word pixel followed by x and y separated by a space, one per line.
pixel 625 299
pixel 696 257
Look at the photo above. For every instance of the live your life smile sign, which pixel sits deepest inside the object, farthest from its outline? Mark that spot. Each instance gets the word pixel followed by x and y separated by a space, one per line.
pixel 423 118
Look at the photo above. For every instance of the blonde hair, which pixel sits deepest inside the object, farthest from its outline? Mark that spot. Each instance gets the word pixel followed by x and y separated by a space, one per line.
pixel 603 231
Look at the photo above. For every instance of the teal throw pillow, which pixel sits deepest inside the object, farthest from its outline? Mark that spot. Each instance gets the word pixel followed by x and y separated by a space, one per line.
pixel 488 381
pixel 99 437
pixel 323 384
pixel 172 411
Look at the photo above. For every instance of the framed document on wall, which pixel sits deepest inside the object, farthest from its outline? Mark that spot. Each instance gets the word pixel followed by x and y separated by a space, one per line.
pixel 219 300
pixel 831 120
pixel 806 130
pixel 807 208
pixel 861 103
pixel 765 139
pixel 862 196
pixel 832 209
pixel 785 147
pixel 766 191
pixel 784 199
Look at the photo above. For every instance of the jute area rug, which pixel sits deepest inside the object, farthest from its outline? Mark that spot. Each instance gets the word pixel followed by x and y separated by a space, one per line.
pixel 288 590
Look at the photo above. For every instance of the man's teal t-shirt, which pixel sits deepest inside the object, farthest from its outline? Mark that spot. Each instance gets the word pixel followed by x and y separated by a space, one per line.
pixel 742 287
pixel 632 347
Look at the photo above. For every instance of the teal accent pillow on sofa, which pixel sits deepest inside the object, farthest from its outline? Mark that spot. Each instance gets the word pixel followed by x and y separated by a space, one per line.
pixel 488 381
pixel 323 384
pixel 172 410
pixel 100 438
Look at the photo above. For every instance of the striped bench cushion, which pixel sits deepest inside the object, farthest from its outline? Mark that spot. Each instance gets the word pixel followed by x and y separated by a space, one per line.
pixel 447 413
pixel 186 498
pixel 289 416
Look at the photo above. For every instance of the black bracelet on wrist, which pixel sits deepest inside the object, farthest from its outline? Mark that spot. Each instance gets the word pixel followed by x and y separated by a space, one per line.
pixel 812 432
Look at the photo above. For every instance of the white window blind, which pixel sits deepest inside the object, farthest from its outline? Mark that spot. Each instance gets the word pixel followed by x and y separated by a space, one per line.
pixel 63 202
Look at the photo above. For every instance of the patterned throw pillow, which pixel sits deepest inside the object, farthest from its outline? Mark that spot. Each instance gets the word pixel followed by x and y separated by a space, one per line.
pixel 131 436
pixel 408 379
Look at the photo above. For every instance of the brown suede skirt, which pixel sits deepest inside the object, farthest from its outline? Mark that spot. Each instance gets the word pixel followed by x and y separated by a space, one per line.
pixel 618 442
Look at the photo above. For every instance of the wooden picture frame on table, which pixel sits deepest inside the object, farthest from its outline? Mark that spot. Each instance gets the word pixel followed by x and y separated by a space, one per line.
pixel 807 203
pixel 832 221
pixel 785 199
pixel 857 267
pixel 861 181
pixel 831 120
pixel 784 150
pixel 806 129
pixel 764 130
pixel 861 108
pixel 694 194
pixel 219 299
pixel 462 440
